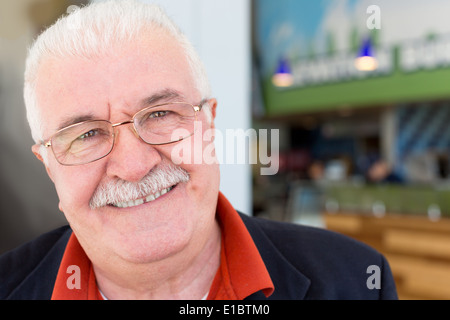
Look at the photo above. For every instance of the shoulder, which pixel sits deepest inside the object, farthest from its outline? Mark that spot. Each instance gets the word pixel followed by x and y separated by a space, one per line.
pixel 336 265
pixel 29 271
pixel 292 237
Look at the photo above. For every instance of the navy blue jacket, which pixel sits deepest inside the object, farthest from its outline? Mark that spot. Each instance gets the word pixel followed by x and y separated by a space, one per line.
pixel 303 262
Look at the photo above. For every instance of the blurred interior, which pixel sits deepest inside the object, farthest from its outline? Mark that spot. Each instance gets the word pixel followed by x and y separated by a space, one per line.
pixel 362 152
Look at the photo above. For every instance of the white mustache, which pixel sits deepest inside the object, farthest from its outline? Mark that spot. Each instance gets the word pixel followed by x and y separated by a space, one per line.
pixel 116 191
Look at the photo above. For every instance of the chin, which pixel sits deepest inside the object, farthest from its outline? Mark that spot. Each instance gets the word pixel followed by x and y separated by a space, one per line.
pixel 151 246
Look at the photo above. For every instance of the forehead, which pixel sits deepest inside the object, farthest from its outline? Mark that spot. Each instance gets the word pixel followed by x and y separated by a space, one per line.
pixel 67 87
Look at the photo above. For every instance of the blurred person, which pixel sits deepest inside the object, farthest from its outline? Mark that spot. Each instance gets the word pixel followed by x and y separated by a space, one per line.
pixel 381 172
pixel 105 89
pixel 443 165
pixel 316 171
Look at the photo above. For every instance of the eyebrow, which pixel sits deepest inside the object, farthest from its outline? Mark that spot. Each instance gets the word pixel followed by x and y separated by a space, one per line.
pixel 74 120
pixel 165 95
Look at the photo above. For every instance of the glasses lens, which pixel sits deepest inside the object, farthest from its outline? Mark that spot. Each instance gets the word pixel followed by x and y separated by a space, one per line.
pixel 165 123
pixel 83 143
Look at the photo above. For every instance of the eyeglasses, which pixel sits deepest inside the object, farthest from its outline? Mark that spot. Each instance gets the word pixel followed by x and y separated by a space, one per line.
pixel 92 140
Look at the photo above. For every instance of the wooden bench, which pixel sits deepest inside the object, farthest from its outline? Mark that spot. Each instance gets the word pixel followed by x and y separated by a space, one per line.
pixel 418 249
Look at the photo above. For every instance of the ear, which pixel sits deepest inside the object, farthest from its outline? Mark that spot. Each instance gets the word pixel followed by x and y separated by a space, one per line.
pixel 213 106
pixel 36 151
pixel 60 207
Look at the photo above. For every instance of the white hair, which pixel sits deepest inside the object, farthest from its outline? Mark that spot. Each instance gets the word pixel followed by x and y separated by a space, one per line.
pixel 94 30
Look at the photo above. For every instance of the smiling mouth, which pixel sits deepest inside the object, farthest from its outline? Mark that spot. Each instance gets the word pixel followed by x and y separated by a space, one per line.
pixel 138 202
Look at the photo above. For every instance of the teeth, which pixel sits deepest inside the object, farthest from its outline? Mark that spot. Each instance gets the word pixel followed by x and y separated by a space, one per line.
pixel 149 198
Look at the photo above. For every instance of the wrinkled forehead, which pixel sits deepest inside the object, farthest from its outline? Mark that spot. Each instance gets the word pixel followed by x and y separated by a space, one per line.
pixel 120 78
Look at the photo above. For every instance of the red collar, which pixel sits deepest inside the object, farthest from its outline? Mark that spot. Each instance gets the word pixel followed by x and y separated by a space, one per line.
pixel 241 273
pixel 76 278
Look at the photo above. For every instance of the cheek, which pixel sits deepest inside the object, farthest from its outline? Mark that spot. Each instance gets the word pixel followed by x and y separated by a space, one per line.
pixel 203 186
pixel 75 187
pixel 196 155
pixel 198 149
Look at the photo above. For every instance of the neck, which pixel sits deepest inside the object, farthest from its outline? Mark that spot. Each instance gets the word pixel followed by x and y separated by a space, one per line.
pixel 187 275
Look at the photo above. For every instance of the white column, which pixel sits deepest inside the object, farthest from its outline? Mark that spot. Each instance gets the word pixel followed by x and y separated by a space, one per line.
pixel 220 30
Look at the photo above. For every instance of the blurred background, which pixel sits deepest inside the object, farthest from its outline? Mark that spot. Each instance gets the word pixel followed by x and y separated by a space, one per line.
pixel 359 91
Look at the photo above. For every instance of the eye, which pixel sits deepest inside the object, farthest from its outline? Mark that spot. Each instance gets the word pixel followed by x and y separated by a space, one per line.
pixel 158 114
pixel 88 134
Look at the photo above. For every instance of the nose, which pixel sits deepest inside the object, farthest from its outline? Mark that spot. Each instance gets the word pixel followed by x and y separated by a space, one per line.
pixel 131 158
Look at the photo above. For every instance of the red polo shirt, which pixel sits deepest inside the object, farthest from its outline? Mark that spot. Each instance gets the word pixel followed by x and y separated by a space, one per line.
pixel 241 272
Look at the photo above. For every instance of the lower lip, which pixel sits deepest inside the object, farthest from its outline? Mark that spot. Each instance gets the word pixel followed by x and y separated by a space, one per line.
pixel 147 202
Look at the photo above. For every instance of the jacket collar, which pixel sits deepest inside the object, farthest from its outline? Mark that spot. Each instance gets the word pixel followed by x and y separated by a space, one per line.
pixel 289 282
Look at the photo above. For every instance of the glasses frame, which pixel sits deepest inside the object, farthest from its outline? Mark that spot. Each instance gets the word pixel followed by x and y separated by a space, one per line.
pixel 48 143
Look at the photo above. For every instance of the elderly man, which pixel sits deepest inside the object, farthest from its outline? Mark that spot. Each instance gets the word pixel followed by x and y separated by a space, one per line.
pixel 111 91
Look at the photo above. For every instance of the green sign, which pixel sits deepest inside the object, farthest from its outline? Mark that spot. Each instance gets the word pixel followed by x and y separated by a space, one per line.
pixel 321 41
pixel 414 73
